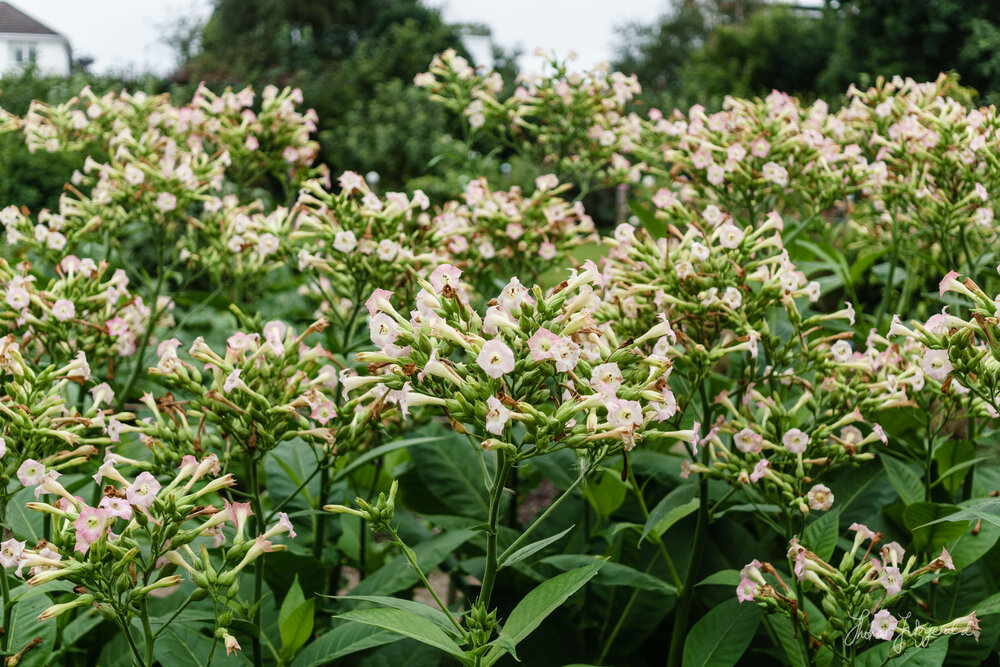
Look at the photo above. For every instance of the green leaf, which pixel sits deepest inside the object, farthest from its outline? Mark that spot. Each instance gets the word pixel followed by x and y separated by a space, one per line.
pixel 929 532
pixel 605 492
pixel 932 655
pixel 295 620
pixel 907 483
pixel 450 471
pixel 721 636
pixel 408 624
pixel 419 608
pixel 954 457
pixel 988 510
pixel 397 575
pixel 794 648
pixel 970 547
pixel 672 508
pixel 342 641
pixel 24 627
pixel 381 450
pixel 538 604
pixel 821 535
pixel 613 574
pixel 721 578
pixel 181 645
pixel 533 548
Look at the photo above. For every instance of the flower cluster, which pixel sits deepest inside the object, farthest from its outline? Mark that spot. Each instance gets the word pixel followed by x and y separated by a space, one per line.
pixel 856 591
pixel 82 309
pixel 575 123
pixel 127 547
pixel 534 374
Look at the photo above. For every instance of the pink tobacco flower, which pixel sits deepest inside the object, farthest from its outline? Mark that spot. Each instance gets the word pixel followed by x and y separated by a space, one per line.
pixel 142 492
pixel 495 358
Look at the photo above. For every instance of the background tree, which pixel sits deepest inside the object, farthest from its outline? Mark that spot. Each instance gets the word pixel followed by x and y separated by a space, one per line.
pixel 354 62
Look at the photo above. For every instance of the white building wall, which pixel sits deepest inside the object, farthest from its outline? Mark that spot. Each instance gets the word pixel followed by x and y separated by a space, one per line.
pixel 51 52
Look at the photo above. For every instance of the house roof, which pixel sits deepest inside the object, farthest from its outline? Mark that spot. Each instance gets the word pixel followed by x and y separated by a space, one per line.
pixel 14 21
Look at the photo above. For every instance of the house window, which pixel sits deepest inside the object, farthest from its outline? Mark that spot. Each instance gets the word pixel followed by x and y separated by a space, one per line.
pixel 23 52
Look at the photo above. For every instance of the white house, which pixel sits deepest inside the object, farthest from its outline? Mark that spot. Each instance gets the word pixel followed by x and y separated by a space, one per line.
pixel 24 39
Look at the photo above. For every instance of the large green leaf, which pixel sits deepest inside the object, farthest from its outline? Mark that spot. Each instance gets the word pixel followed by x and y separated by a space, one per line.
pixel 382 450
pixel 954 458
pixel 343 640
pixel 430 613
pixel 397 575
pixel 929 532
pixel 181 645
pixel 795 649
pixel 537 605
pixel 672 508
pixel 295 620
pixel 821 535
pixel 932 655
pixel 605 492
pixel 721 636
pixel 613 574
pixel 450 471
pixel 907 483
pixel 408 624
pixel 533 548
pixel 987 510
pixel 24 627
pixel 972 545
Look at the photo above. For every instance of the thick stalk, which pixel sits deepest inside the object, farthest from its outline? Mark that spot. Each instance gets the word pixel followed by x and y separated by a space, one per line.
pixel 5 590
pixel 548 510
pixel 147 631
pixel 496 493
pixel 893 260
pixel 685 599
pixel 319 525
pixel 258 572
pixel 144 343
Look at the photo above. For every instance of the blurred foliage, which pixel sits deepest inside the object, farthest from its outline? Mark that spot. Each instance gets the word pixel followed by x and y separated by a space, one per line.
pixel 702 50
pixel 354 62
pixel 36 180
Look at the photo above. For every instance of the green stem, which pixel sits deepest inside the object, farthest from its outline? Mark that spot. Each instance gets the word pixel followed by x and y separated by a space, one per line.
pixel 258 572
pixel 503 467
pixel 176 613
pixel 654 535
pixel 412 558
pixel 140 355
pixel 136 654
pixel 686 598
pixel 538 520
pixel 621 619
pixel 147 631
pixel 319 525
pixel 5 590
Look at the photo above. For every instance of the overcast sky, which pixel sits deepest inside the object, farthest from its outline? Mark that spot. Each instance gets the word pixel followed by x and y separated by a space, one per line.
pixel 128 34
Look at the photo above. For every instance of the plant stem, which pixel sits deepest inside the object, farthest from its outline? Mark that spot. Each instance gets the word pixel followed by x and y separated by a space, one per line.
pixel 656 537
pixel 174 615
pixel 412 558
pixel 621 619
pixel 258 572
pixel 503 467
pixel 131 643
pixel 319 525
pixel 5 590
pixel 140 354
pixel 548 510
pixel 147 631
pixel 686 598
